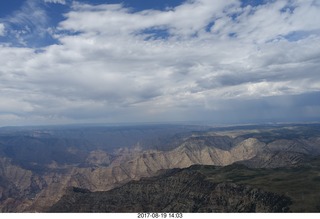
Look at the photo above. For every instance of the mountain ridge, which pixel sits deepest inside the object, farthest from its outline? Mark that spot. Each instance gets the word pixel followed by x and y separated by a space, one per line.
pixel 175 191
pixel 41 184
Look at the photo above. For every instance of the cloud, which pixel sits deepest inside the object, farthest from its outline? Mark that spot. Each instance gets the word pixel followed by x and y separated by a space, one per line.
pixel 27 26
pixel 197 61
pixel 2 29
pixel 184 20
pixel 63 2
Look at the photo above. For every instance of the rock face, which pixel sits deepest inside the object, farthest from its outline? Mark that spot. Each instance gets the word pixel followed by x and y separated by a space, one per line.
pixel 179 191
pixel 18 187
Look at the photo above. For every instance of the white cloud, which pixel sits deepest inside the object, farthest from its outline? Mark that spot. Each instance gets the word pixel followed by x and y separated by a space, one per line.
pixel 28 25
pixel 56 1
pixel 184 20
pixel 112 65
pixel 2 29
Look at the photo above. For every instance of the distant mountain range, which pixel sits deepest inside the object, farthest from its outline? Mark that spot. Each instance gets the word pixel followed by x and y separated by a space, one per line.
pixel 173 168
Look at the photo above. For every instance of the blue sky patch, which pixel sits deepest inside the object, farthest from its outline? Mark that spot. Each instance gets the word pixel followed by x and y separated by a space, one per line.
pixel 253 2
pixel 209 26
pixel 296 36
pixel 155 33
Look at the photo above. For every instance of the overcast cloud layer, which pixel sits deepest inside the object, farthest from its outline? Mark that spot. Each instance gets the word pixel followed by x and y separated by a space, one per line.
pixel 205 60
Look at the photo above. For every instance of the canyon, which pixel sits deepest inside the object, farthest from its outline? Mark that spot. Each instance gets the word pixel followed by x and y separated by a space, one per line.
pixel 40 167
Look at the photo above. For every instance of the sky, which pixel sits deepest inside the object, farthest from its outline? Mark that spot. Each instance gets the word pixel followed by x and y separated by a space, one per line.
pixel 115 61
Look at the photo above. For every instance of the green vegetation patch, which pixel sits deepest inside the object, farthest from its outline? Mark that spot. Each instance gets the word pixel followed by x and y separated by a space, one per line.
pixel 301 183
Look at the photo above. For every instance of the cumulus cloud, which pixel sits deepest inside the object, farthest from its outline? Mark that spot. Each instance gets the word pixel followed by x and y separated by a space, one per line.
pixel 195 61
